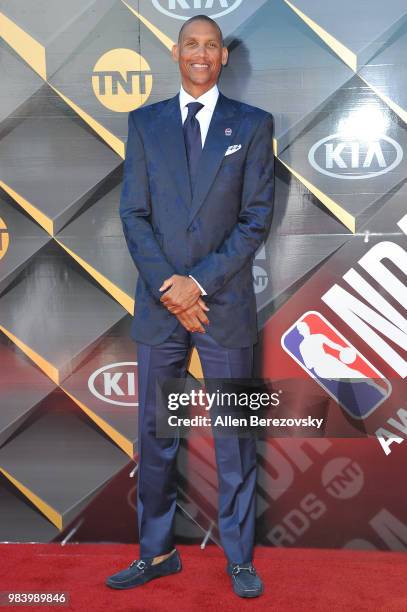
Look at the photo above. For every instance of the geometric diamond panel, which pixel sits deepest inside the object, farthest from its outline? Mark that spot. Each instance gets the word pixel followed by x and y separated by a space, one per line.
pixel 386 71
pixel 18 81
pixel 105 386
pixel 349 159
pixel 59 461
pixel 22 387
pixel 354 30
pixel 20 520
pixel 62 158
pixel 95 239
pixel 303 233
pixel 55 315
pixel 20 239
pixel 289 80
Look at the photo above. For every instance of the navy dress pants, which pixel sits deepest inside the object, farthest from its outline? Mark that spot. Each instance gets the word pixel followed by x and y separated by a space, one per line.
pixel 157 474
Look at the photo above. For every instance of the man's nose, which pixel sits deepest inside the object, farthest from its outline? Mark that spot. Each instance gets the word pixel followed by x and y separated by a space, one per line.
pixel 201 52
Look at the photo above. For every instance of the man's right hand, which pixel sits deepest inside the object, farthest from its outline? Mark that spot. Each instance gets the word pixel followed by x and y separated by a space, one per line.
pixel 194 317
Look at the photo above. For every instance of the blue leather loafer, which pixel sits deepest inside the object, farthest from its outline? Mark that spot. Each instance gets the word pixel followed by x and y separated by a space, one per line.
pixel 141 571
pixel 245 581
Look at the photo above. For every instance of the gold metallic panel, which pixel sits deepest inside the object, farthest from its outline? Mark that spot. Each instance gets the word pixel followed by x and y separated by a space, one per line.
pixel 194 365
pixel 340 213
pixel 24 44
pixel 166 41
pixel 50 370
pixel 36 214
pixel 113 141
pixel 45 508
pixel 124 300
pixel 340 49
pixel 123 442
pixel 394 107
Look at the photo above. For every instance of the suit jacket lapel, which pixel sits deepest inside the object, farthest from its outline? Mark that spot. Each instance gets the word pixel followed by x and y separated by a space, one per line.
pixel 168 131
pixel 169 134
pixel 216 142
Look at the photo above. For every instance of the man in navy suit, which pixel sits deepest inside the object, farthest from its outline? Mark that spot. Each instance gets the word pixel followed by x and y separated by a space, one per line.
pixel 196 205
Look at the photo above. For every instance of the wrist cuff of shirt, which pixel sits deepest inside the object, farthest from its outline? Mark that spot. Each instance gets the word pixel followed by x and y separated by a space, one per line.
pixel 203 292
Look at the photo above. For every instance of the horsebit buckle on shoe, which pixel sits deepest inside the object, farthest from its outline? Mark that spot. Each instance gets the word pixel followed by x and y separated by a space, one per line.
pixel 238 568
pixel 140 564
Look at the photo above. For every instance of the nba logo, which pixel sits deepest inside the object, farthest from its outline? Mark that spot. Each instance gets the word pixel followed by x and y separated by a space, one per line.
pixel 336 365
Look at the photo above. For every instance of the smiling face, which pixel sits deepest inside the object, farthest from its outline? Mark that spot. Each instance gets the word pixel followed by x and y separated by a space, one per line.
pixel 200 56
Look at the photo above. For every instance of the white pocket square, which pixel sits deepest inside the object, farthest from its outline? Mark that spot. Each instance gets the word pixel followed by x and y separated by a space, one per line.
pixel 233 149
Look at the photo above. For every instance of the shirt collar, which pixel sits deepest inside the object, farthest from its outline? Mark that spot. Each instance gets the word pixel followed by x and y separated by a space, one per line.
pixel 208 99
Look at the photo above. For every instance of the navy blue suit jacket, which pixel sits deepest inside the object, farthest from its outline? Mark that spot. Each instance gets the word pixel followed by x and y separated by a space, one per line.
pixel 211 234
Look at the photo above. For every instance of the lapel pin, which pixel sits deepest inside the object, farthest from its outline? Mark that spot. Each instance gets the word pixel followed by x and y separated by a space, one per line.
pixel 228 132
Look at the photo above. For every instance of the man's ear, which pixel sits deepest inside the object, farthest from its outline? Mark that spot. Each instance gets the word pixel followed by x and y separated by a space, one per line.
pixel 175 53
pixel 225 55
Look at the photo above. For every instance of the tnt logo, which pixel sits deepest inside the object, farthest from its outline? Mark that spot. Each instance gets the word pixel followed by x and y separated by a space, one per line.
pixel 184 9
pixel 342 478
pixel 4 238
pixel 336 365
pixel 122 80
pixel 260 279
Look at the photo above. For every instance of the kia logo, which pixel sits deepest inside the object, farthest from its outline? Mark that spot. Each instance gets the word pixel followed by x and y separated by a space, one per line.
pixel 114 381
pixel 184 9
pixel 355 159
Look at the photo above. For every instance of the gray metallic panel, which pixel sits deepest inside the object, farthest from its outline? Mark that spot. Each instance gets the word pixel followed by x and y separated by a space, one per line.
pixel 20 521
pixel 18 81
pixel 22 387
pixel 57 313
pixel 303 233
pixel 107 250
pixel 279 64
pixel 113 400
pixel 25 239
pixel 58 25
pixel 387 72
pixel 361 26
pixel 367 115
pixel 62 166
pixel 61 458
pixel 119 29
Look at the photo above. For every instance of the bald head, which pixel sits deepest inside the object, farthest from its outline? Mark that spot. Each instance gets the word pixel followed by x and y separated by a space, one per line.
pixel 192 20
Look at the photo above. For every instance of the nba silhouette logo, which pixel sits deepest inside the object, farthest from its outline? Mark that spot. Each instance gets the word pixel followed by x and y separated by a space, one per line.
pixel 344 373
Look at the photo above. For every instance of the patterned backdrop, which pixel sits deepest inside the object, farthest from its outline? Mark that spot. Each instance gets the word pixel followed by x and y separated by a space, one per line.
pixel 334 76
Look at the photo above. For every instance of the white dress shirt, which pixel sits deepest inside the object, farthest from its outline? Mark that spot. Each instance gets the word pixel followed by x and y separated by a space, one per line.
pixel 204 116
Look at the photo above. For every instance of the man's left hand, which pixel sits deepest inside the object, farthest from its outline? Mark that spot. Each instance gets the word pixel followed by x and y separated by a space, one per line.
pixel 181 292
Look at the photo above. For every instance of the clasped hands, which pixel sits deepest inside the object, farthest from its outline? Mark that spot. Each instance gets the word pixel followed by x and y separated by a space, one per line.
pixel 182 298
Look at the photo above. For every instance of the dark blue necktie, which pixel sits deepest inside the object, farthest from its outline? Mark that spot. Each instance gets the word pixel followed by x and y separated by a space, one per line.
pixel 192 136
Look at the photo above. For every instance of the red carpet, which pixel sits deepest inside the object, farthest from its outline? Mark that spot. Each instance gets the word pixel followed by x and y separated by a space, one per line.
pixel 295 579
